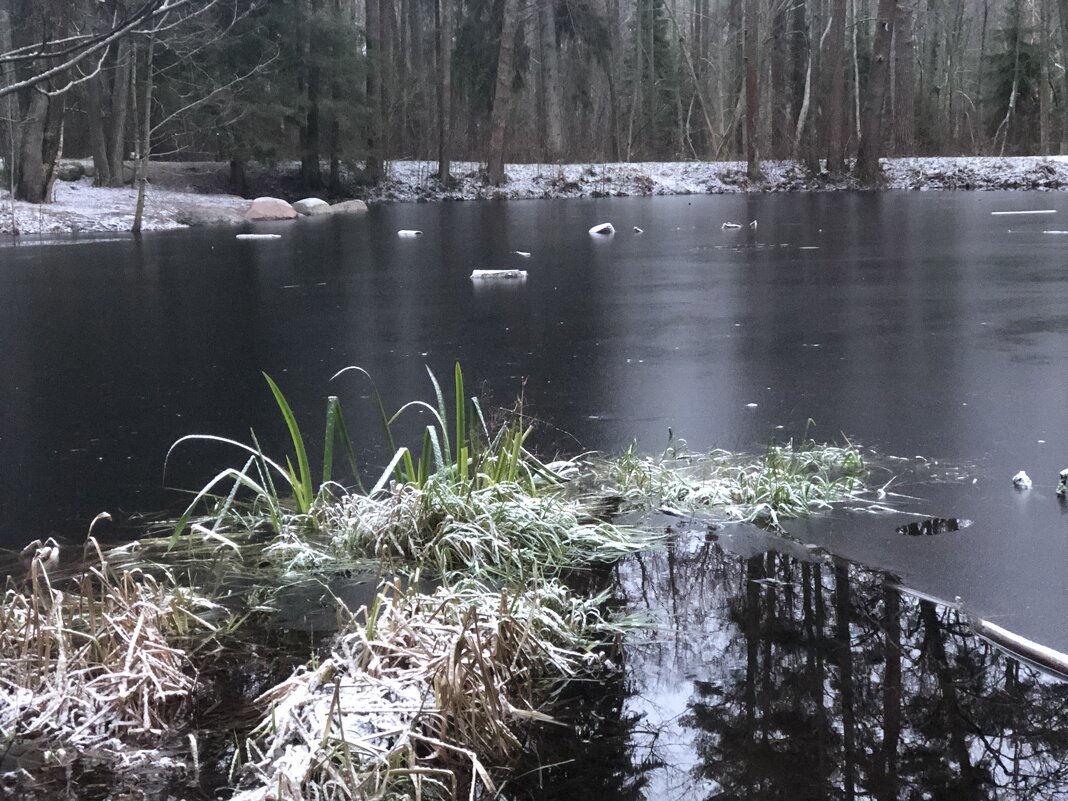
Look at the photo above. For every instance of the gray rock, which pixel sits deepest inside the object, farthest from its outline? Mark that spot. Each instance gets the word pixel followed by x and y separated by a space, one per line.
pixel 312 206
pixel 270 208
pixel 70 171
pixel 349 207
pixel 208 215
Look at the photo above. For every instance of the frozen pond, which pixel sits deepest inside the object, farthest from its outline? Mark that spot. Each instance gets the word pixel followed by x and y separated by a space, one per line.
pixel 917 324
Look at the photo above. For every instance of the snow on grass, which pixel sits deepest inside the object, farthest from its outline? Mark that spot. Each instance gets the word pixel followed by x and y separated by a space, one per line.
pixel 82 207
pixel 79 207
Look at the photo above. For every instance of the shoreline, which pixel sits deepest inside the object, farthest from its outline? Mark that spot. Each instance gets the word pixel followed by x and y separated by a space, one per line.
pixel 183 194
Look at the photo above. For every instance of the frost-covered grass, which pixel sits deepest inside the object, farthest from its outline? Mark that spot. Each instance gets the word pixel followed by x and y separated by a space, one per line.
pixel 427 695
pixel 93 666
pixel 786 481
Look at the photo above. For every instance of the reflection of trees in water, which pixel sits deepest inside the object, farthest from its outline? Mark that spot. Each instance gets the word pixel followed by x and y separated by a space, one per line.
pixel 818 681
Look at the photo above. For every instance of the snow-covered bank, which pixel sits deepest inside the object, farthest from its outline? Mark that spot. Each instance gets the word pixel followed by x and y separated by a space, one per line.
pixel 411 180
pixel 81 207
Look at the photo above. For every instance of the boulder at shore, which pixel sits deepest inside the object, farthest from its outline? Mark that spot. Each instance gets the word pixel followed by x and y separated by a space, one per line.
pixel 270 208
pixel 349 207
pixel 311 206
pixel 208 215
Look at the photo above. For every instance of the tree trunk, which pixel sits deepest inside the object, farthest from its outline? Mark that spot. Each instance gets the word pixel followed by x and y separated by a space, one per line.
pixel 144 142
pixel 373 166
pixel 502 94
pixel 120 103
pixel 9 107
pixel 53 143
pixel 32 175
pixel 310 169
pixel 238 179
pixel 930 90
pixel 835 119
pixel 780 96
pixel 750 37
pixel 443 9
pixel 1044 100
pixel 550 74
pixel 1062 6
pixel 905 80
pixel 871 117
pixel 94 108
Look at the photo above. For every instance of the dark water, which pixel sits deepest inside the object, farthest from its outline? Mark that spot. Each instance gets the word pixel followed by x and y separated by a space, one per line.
pixel 916 324
pixel 768 677
pixel 921 326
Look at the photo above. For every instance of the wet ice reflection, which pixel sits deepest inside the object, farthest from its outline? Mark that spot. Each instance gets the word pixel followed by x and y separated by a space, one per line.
pixel 769 677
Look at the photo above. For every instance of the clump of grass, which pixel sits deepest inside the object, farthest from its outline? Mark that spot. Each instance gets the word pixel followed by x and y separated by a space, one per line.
pixel 457 449
pixel 426 694
pixel 501 530
pixel 788 480
pixel 90 666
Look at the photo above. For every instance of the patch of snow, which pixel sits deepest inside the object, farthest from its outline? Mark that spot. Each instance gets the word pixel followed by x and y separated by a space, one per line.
pixel 81 207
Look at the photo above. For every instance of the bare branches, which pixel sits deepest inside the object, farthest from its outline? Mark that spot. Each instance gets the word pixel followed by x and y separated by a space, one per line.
pixel 157 15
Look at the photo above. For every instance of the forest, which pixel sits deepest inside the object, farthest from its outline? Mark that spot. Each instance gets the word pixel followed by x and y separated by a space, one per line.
pixel 346 86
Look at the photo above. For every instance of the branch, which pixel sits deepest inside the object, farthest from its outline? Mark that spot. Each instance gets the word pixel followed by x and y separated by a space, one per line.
pixel 153 9
pixel 216 91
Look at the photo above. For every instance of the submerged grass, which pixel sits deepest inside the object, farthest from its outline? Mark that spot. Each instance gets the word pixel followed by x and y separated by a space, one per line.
pixel 788 480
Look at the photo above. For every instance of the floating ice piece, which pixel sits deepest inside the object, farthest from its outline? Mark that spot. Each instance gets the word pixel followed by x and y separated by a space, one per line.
pixel 1031 211
pixel 407 232
pixel 524 253
pixel 638 230
pixel 1021 480
pixel 259 236
pixel 603 229
pixel 753 224
pixel 507 274
pixel 729 226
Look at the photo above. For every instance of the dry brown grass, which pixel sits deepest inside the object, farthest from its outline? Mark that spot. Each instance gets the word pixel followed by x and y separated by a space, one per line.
pixel 425 696
pixel 88 664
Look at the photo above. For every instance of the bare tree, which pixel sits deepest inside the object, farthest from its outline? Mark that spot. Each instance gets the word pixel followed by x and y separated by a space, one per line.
pixel 50 55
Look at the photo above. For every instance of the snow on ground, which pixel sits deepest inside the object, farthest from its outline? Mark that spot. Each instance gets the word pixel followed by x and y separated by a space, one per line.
pixel 411 180
pixel 81 207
